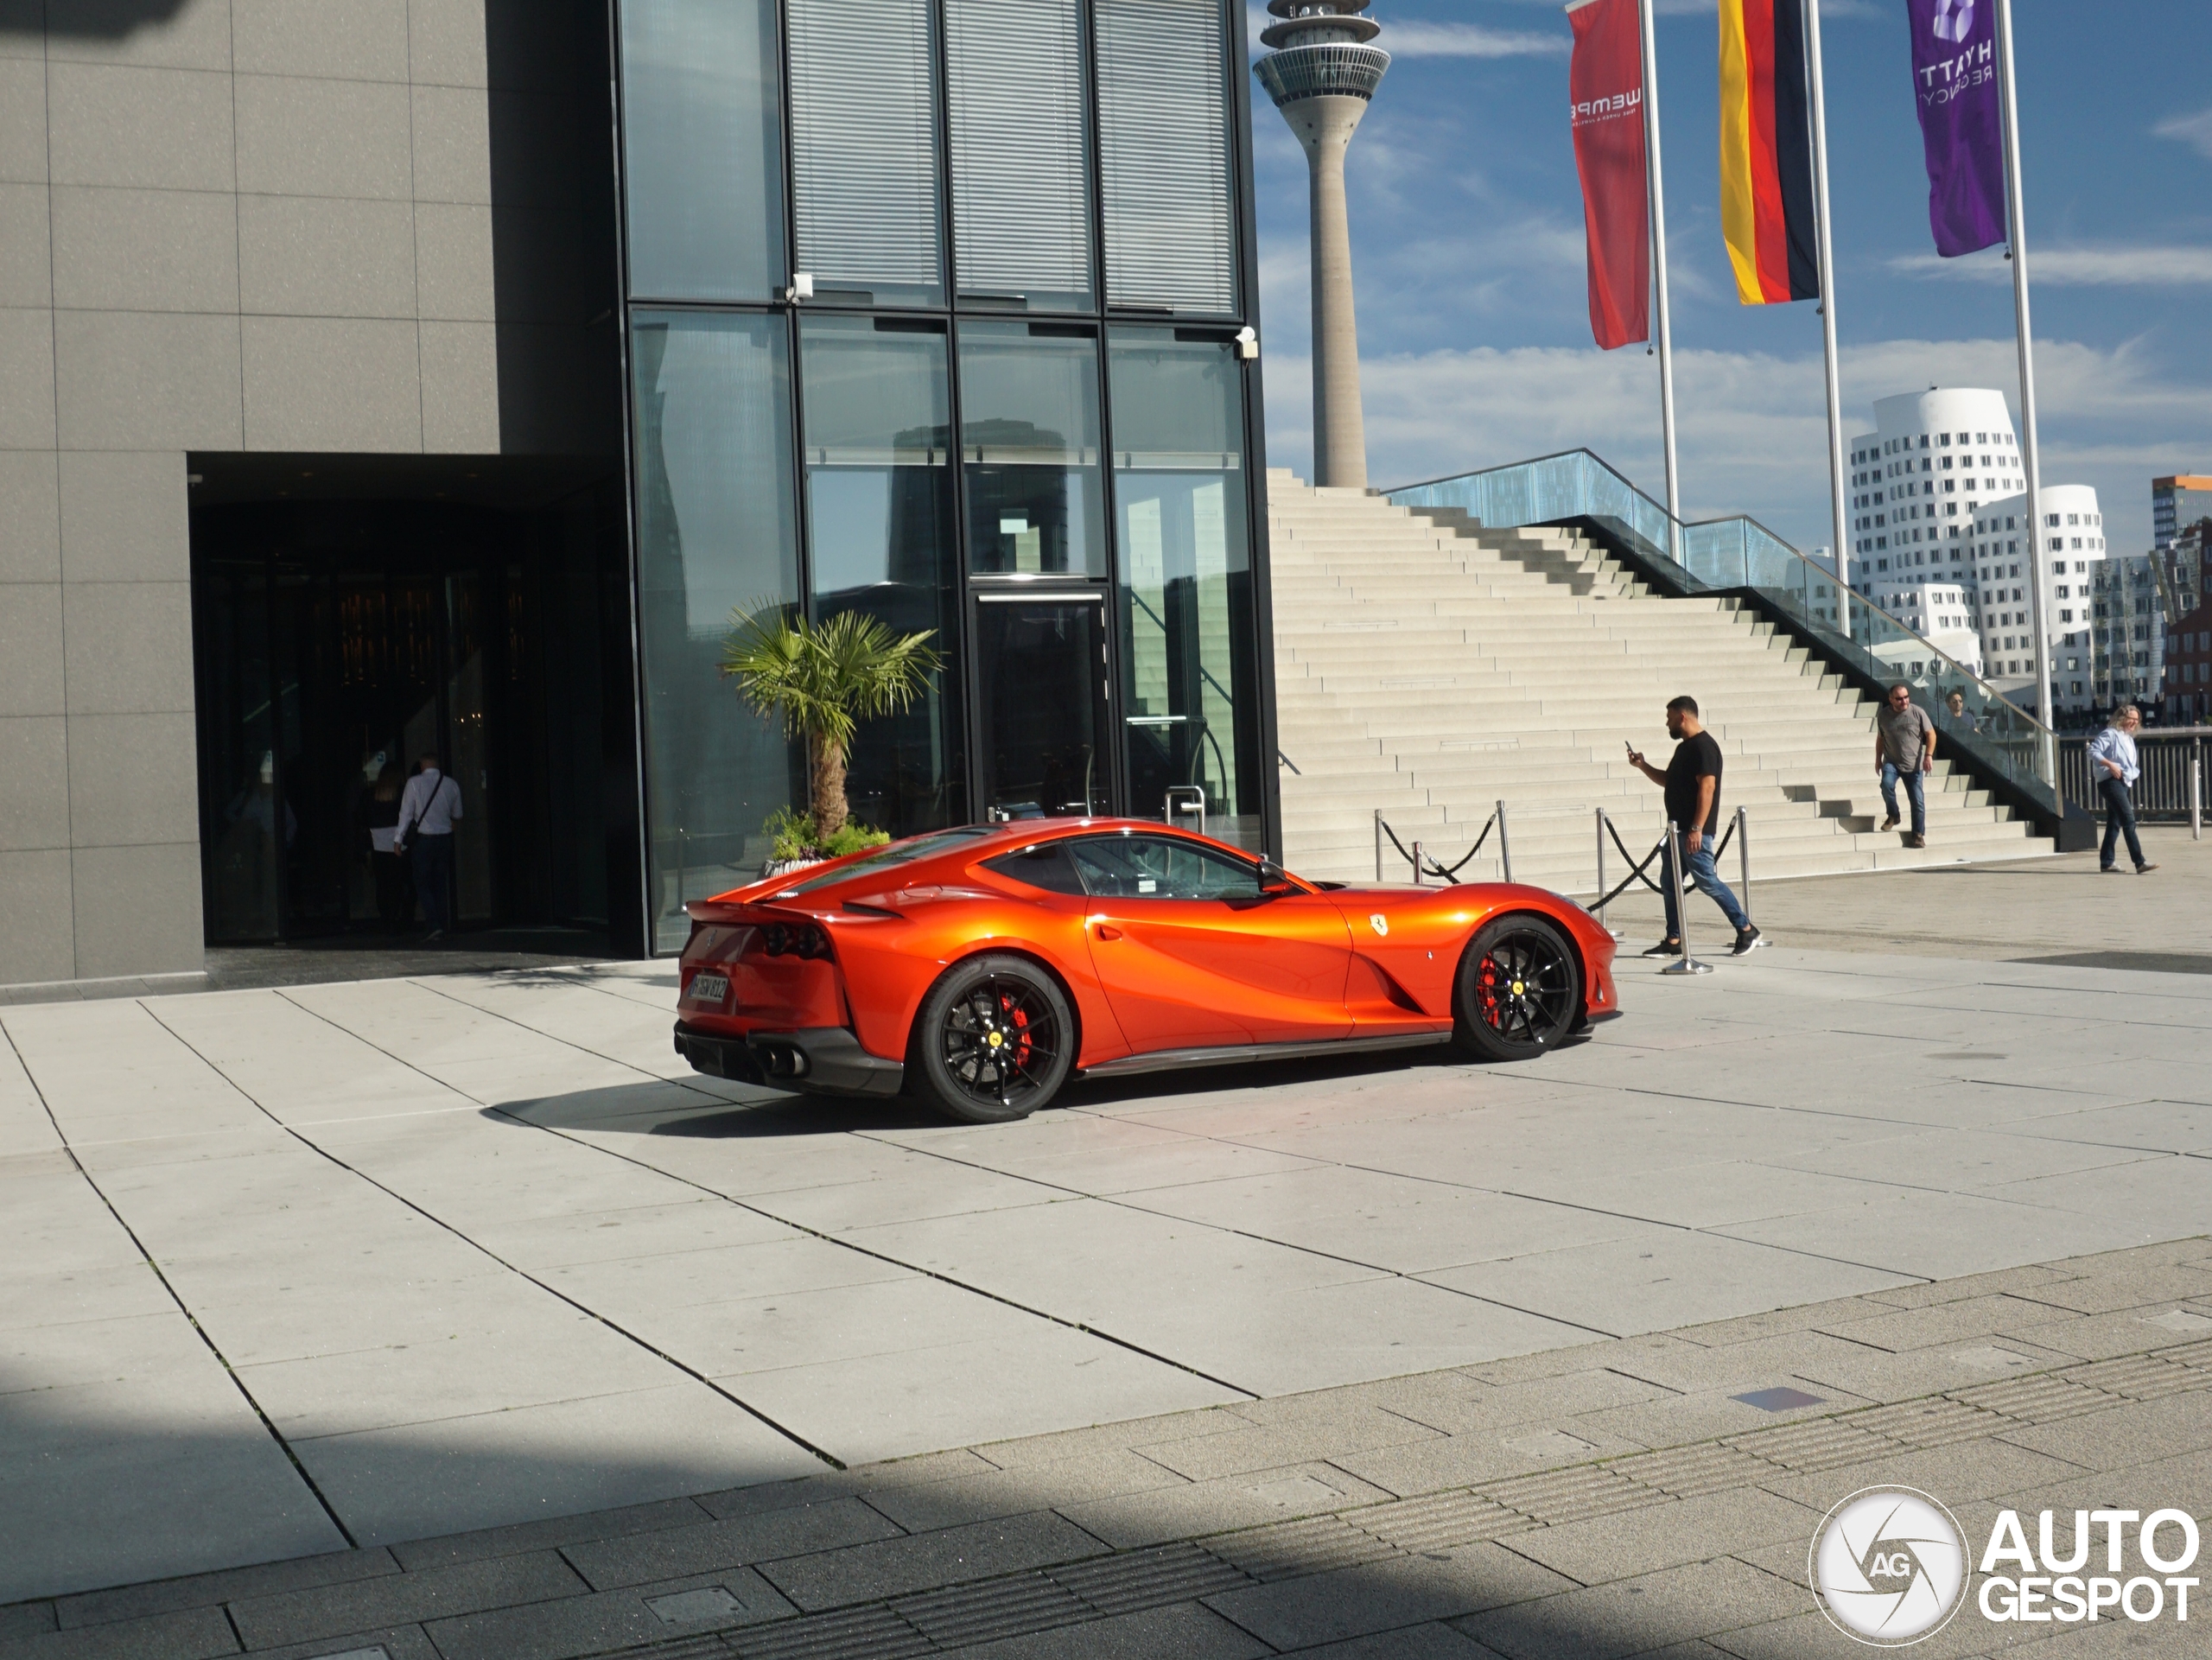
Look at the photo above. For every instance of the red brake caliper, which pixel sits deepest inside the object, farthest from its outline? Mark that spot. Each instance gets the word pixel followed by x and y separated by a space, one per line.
pixel 1489 995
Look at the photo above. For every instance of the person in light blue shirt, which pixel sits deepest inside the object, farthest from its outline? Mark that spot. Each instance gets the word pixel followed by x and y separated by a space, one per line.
pixel 2114 768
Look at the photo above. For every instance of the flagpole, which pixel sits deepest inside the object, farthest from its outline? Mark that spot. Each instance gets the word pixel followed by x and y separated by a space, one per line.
pixel 1657 183
pixel 2039 585
pixel 1839 502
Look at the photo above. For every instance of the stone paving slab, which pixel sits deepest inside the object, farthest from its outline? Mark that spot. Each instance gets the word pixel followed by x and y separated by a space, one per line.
pixel 1691 1549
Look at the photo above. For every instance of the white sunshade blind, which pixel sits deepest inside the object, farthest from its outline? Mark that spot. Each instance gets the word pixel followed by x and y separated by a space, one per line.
pixel 864 143
pixel 1163 137
pixel 1020 196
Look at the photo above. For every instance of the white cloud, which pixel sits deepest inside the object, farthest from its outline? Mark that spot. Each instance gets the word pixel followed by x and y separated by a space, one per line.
pixel 1752 427
pixel 2118 266
pixel 2195 130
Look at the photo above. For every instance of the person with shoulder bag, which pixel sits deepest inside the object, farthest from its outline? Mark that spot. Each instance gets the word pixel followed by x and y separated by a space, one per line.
pixel 427 812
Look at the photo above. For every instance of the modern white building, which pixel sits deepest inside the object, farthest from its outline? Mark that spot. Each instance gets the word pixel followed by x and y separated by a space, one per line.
pixel 1939 506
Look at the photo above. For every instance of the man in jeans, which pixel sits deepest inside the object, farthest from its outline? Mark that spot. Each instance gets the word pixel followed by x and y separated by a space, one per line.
pixel 1692 782
pixel 1904 747
pixel 2113 764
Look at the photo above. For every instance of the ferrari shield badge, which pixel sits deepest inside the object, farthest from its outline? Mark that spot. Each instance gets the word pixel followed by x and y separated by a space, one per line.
pixel 1380 923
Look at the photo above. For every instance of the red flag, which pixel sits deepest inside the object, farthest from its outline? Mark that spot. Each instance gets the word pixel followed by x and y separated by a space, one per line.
pixel 1605 86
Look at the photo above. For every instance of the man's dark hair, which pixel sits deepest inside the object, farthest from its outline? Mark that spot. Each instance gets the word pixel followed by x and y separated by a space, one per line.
pixel 1900 686
pixel 1683 706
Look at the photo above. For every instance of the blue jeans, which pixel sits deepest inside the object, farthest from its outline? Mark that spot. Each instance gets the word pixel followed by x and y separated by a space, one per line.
pixel 2120 816
pixel 1916 784
pixel 1708 883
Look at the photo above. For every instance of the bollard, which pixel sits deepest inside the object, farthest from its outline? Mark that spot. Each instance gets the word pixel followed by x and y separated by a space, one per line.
pixel 2197 790
pixel 1504 846
pixel 1689 965
pixel 1417 881
pixel 1744 855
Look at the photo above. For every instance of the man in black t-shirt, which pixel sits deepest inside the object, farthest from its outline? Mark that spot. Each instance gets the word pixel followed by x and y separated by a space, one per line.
pixel 1692 782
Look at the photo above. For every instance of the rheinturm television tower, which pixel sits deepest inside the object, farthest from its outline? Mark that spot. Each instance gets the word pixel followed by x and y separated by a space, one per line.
pixel 1322 75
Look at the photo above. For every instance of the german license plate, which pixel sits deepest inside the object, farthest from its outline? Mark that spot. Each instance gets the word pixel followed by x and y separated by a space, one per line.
pixel 709 987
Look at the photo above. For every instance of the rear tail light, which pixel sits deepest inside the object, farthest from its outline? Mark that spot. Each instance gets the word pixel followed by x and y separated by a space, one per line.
pixel 807 940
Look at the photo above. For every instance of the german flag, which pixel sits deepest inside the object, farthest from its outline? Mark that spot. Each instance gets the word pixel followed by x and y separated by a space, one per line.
pixel 1766 152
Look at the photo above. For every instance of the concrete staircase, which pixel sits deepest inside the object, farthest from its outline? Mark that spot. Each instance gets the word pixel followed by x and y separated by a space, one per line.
pixel 1427 668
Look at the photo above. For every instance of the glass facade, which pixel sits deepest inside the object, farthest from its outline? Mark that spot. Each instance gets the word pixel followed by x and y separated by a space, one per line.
pixel 931 317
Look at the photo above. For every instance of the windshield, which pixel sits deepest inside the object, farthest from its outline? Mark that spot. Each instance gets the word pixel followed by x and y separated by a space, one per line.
pixel 898 853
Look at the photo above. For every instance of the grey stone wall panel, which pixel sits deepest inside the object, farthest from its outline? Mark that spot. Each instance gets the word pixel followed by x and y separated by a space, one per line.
pixel 153 129
pixel 445 42
pixel 26 255
pixel 35 760
pixel 37 939
pixel 128 249
pixel 30 517
pixel 32 680
pixel 452 145
pixel 342 40
pixel 22 120
pixel 148 380
pixel 184 34
pixel 125 516
pixel 129 648
pixel 134 780
pixel 326 257
pixel 137 910
pixel 455 270
pixel 332 383
pixel 26 379
pixel 300 137
pixel 461 388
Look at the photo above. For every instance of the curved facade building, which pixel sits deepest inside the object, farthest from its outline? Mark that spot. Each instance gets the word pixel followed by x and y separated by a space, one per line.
pixel 1939 505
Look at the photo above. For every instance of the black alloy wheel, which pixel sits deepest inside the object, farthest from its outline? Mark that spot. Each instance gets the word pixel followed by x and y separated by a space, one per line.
pixel 994 1041
pixel 1519 990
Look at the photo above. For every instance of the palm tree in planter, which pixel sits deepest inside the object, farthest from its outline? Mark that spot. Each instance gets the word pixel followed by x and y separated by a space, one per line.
pixel 823 679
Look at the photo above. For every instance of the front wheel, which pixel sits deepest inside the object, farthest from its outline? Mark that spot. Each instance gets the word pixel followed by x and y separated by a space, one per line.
pixel 993 1042
pixel 1520 990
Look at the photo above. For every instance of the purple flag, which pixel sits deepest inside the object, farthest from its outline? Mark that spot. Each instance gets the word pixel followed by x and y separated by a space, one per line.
pixel 1961 124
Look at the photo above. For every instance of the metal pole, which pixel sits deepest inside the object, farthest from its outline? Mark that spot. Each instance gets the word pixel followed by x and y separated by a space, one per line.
pixel 1504 846
pixel 1417 864
pixel 2030 455
pixel 1840 503
pixel 1378 845
pixel 2197 789
pixel 1689 965
pixel 1655 174
pixel 1601 870
pixel 1743 855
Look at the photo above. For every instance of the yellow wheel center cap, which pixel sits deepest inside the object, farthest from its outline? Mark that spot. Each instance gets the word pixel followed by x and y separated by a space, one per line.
pixel 1518 988
pixel 997 1038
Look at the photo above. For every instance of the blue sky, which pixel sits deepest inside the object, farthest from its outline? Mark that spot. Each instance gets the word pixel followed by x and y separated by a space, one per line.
pixel 1468 258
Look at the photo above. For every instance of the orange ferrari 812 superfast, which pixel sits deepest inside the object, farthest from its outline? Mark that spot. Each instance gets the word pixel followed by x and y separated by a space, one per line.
pixel 980 968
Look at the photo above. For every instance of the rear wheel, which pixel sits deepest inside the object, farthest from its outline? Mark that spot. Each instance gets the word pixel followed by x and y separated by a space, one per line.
pixel 1519 990
pixel 994 1041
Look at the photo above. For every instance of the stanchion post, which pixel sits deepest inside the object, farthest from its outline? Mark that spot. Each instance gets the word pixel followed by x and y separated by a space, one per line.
pixel 1744 855
pixel 1417 881
pixel 1504 846
pixel 2197 789
pixel 1601 870
pixel 1378 845
pixel 1689 965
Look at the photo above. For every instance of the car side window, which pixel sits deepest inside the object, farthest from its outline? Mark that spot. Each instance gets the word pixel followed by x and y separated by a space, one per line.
pixel 1047 867
pixel 1161 868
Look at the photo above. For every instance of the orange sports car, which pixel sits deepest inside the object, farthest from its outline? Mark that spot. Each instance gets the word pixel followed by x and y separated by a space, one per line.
pixel 980 967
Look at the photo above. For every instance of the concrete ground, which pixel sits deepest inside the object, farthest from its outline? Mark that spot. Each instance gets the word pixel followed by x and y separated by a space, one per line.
pixel 311 1274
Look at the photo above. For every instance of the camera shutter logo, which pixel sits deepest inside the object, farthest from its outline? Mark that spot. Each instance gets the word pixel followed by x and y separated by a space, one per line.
pixel 1954 20
pixel 1889 1565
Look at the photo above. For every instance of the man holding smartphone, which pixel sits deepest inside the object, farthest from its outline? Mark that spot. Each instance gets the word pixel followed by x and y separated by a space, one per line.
pixel 1692 782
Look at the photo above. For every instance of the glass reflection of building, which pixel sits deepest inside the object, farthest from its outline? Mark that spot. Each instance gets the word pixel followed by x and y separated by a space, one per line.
pixel 934 309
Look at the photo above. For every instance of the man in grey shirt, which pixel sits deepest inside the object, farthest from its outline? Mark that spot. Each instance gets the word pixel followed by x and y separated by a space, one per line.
pixel 1904 746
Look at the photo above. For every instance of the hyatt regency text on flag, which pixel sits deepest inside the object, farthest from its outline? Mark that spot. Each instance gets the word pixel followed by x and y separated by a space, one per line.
pixel 1962 123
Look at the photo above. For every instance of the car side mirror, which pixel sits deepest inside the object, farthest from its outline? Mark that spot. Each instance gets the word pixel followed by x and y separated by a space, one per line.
pixel 1274 879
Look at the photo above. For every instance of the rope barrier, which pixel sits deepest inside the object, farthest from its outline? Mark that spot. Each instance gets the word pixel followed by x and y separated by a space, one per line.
pixel 1636 874
pixel 1435 868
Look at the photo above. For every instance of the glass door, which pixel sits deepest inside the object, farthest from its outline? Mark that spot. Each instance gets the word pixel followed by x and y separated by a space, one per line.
pixel 1042 686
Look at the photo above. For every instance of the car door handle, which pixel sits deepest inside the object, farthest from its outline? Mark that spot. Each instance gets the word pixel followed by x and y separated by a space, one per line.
pixel 1105 932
